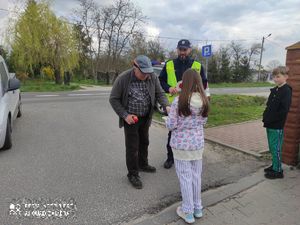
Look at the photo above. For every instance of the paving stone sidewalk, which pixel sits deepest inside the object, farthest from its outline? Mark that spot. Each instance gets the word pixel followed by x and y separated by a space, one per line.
pixel 253 200
pixel 249 137
pixel 270 202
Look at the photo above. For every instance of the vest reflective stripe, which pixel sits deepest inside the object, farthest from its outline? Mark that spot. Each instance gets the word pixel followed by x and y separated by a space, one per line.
pixel 196 66
pixel 171 76
pixel 172 80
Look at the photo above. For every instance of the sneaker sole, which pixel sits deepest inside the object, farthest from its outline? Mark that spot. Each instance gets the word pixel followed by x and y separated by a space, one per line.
pixel 182 216
pixel 147 171
pixel 198 216
pixel 273 178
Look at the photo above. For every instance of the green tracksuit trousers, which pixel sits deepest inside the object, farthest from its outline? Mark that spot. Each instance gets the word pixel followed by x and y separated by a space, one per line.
pixel 275 139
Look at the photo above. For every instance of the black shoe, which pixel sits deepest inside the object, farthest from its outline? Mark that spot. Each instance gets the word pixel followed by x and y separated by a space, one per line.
pixel 148 169
pixel 268 169
pixel 168 163
pixel 135 181
pixel 274 175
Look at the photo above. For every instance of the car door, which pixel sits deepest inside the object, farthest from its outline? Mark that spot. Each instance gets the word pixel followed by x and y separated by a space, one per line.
pixel 4 99
pixel 14 97
pixel 10 97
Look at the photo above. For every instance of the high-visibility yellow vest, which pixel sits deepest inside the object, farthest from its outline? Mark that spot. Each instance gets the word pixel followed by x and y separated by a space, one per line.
pixel 171 76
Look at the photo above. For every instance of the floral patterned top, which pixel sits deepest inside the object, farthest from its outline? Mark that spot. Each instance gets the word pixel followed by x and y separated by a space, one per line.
pixel 187 132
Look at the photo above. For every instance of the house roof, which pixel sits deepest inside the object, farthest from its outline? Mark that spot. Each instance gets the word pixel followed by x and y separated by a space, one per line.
pixel 294 46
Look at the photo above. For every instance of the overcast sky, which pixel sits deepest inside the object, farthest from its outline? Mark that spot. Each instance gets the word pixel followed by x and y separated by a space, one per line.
pixel 210 21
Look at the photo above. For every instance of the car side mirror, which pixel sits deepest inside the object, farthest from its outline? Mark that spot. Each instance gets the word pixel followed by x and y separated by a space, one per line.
pixel 13 84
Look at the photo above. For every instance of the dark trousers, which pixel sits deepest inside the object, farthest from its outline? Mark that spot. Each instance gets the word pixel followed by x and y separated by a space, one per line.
pixel 136 142
pixel 169 148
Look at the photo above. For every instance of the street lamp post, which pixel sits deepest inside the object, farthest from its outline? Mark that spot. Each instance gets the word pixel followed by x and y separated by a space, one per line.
pixel 261 51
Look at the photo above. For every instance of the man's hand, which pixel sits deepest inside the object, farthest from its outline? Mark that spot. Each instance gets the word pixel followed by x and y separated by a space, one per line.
pixel 173 90
pixel 129 119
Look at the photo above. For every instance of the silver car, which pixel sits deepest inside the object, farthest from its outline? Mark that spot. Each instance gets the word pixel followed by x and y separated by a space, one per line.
pixel 10 104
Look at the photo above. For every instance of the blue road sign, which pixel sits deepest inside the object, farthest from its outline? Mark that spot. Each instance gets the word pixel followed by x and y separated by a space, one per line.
pixel 206 50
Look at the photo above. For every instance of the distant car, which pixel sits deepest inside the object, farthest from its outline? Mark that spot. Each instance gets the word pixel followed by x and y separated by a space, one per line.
pixel 157 69
pixel 10 104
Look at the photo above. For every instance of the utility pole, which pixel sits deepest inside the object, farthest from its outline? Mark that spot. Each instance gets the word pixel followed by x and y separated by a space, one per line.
pixel 261 51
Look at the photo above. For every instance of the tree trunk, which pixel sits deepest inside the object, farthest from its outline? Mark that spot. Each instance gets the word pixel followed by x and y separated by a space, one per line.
pixel 57 76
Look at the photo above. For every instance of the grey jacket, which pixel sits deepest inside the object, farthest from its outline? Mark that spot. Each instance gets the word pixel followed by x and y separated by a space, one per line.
pixel 119 94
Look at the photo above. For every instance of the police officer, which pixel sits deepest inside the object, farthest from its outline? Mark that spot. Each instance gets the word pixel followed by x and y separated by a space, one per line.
pixel 171 74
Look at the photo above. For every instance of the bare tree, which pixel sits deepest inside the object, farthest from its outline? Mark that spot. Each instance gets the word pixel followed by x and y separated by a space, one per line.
pixel 86 14
pixel 273 64
pixel 254 50
pixel 172 54
pixel 237 51
pixel 241 61
pixel 101 19
pixel 155 50
pixel 109 29
pixel 123 21
pixel 138 45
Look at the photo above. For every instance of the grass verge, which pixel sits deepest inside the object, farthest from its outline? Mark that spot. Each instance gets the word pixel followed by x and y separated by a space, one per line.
pixel 39 85
pixel 46 86
pixel 227 109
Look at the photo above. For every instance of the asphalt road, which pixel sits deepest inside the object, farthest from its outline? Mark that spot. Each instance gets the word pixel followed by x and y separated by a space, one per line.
pixel 259 91
pixel 68 145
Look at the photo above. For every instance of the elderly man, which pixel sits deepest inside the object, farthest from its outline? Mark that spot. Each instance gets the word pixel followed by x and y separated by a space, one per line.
pixel 133 97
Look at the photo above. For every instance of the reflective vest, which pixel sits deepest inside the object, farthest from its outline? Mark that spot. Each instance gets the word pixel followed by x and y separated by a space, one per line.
pixel 172 80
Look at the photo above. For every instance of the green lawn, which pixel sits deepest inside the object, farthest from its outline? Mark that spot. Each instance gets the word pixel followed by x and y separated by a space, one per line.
pixel 246 84
pixel 38 85
pixel 46 86
pixel 227 109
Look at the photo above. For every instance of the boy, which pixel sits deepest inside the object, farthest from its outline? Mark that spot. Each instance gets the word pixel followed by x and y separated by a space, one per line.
pixel 274 118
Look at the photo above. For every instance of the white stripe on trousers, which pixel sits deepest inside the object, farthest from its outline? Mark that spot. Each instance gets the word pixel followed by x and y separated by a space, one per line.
pixel 189 175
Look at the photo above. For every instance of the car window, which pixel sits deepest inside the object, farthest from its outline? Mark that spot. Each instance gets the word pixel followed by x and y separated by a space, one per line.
pixel 157 70
pixel 4 78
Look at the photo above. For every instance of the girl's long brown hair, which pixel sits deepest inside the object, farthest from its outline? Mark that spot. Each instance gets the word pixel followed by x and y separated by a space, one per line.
pixel 191 83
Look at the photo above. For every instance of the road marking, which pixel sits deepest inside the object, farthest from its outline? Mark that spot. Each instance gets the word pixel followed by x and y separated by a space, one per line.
pixel 46 96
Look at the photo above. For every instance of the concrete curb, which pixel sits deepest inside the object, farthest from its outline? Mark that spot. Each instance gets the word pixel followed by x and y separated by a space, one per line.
pixel 228 125
pixel 209 198
pixel 158 122
pixel 94 88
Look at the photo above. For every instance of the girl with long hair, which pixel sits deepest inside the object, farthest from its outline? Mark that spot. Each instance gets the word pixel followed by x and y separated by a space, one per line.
pixel 186 119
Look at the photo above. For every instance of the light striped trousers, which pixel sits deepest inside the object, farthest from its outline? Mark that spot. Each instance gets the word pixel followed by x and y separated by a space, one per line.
pixel 189 175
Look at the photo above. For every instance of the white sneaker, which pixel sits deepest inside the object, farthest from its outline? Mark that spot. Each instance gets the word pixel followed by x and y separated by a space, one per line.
pixel 187 217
